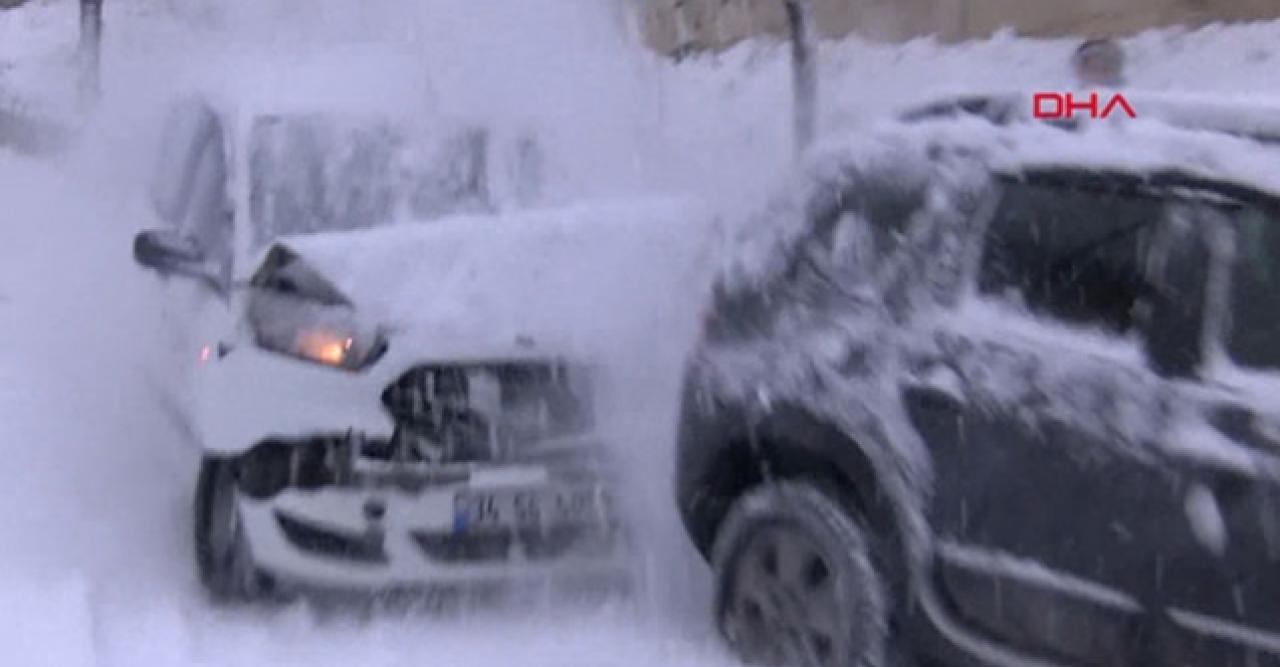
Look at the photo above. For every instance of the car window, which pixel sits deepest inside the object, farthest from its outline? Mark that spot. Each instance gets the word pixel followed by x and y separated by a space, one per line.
pixel 314 173
pixel 858 226
pixel 1072 251
pixel 1253 337
pixel 310 174
pixel 208 218
pixel 188 129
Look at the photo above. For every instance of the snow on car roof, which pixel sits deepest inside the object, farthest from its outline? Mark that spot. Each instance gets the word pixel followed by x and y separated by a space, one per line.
pixel 1254 116
pixel 1139 146
pixel 922 156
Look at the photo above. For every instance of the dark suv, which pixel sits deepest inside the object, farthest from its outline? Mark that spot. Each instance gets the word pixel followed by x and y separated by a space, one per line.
pixel 982 395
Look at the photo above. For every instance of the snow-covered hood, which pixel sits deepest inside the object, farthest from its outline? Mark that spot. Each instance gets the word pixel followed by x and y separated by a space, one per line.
pixel 509 286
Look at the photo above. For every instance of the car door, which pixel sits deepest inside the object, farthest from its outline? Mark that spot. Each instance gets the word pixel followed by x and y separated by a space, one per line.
pixel 1054 505
pixel 1224 597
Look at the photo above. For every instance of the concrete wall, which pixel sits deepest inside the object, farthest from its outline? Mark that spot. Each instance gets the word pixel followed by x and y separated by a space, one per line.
pixel 675 25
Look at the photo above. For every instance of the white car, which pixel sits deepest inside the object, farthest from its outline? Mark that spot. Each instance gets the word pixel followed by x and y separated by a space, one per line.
pixel 366 422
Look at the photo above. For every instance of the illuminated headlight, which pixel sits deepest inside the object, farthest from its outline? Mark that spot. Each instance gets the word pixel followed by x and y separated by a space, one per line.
pixel 328 334
pixel 335 348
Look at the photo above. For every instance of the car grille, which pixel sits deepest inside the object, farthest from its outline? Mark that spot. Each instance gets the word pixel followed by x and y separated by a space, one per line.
pixel 485 412
pixel 314 539
pixel 450 548
pixel 553 542
pixel 535 544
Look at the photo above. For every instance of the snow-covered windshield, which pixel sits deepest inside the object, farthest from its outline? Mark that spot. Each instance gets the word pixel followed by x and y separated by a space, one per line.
pixel 1254 335
pixel 313 173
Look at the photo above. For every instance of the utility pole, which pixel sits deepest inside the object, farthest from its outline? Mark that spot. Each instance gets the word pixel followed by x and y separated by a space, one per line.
pixel 803 71
pixel 90 51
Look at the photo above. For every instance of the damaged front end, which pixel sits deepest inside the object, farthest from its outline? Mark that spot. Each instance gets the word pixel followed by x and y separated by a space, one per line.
pixel 491 477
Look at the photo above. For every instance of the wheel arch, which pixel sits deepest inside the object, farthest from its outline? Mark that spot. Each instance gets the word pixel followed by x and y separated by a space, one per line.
pixel 791 443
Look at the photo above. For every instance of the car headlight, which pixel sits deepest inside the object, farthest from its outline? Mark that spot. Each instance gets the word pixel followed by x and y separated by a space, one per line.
pixel 322 333
pixel 326 347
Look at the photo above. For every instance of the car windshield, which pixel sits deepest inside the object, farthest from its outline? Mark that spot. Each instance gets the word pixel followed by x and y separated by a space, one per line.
pixel 313 173
pixel 1253 338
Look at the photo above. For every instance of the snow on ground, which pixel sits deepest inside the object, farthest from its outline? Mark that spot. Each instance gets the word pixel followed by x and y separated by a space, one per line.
pixel 95 560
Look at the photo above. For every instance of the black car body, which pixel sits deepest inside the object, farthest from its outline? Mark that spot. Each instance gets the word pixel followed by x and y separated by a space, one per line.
pixel 1035 369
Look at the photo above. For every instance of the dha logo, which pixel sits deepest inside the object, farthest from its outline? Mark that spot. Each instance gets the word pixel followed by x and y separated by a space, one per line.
pixel 1050 105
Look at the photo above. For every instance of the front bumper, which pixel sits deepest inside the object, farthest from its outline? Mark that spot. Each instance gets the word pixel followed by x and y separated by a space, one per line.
pixel 397 539
pixel 337 511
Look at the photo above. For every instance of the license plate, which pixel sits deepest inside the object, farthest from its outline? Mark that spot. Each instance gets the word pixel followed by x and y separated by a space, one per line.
pixel 526 507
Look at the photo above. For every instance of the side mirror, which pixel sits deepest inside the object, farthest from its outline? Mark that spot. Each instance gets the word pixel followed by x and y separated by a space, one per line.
pixel 169 253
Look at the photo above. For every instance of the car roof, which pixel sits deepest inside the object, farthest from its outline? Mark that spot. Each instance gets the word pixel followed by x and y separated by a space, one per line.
pixel 1149 148
pixel 1255 118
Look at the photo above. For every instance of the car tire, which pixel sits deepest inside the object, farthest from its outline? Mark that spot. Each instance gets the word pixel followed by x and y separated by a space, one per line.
pixel 223 560
pixel 795 582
